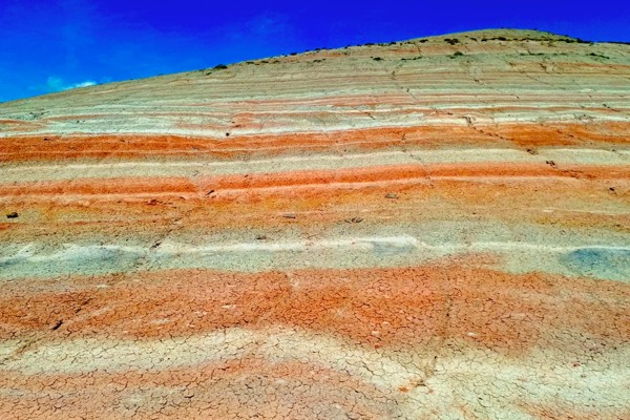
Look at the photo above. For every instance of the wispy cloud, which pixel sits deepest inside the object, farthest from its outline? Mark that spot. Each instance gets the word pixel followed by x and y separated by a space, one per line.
pixel 82 84
pixel 56 84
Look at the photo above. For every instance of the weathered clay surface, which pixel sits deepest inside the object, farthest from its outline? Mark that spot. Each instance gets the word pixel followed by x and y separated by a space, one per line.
pixel 436 228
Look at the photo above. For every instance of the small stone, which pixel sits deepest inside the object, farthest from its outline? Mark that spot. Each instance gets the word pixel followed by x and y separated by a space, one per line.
pixel 391 195
pixel 354 220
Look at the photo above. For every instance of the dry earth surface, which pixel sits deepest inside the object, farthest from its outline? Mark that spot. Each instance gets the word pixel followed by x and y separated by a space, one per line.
pixel 434 228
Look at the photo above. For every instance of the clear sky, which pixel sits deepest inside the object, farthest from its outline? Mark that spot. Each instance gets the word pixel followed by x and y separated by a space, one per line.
pixel 51 45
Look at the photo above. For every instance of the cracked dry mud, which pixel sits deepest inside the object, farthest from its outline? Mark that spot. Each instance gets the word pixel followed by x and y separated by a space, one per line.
pixel 434 228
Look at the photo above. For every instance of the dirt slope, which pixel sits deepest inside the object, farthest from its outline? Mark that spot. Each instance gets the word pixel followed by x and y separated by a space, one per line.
pixel 430 228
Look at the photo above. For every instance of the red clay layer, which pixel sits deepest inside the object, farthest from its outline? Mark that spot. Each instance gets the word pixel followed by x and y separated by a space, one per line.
pixel 397 307
pixel 53 147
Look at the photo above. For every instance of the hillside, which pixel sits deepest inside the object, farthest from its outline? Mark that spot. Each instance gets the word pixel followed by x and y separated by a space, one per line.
pixel 437 227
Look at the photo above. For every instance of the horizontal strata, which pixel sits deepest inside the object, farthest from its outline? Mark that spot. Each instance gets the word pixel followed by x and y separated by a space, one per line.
pixel 433 228
pixel 187 168
pixel 529 137
pixel 408 339
pixel 249 183
pixel 585 258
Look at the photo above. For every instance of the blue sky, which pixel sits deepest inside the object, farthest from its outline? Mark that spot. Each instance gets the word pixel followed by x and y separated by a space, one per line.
pixel 52 45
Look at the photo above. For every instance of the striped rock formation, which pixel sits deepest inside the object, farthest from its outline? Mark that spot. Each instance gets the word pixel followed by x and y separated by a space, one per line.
pixel 436 228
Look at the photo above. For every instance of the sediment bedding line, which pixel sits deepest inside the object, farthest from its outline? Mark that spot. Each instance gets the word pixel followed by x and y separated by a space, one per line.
pixel 347 177
pixel 340 109
pixel 224 345
pixel 51 146
pixel 274 345
pixel 373 390
pixel 398 308
pixel 603 261
pixel 47 172
pixel 291 121
pixel 227 193
pixel 247 111
pixel 358 243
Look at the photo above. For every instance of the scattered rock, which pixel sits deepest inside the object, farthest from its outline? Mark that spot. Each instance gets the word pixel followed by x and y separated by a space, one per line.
pixel 354 220
pixel 391 195
pixel 12 215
